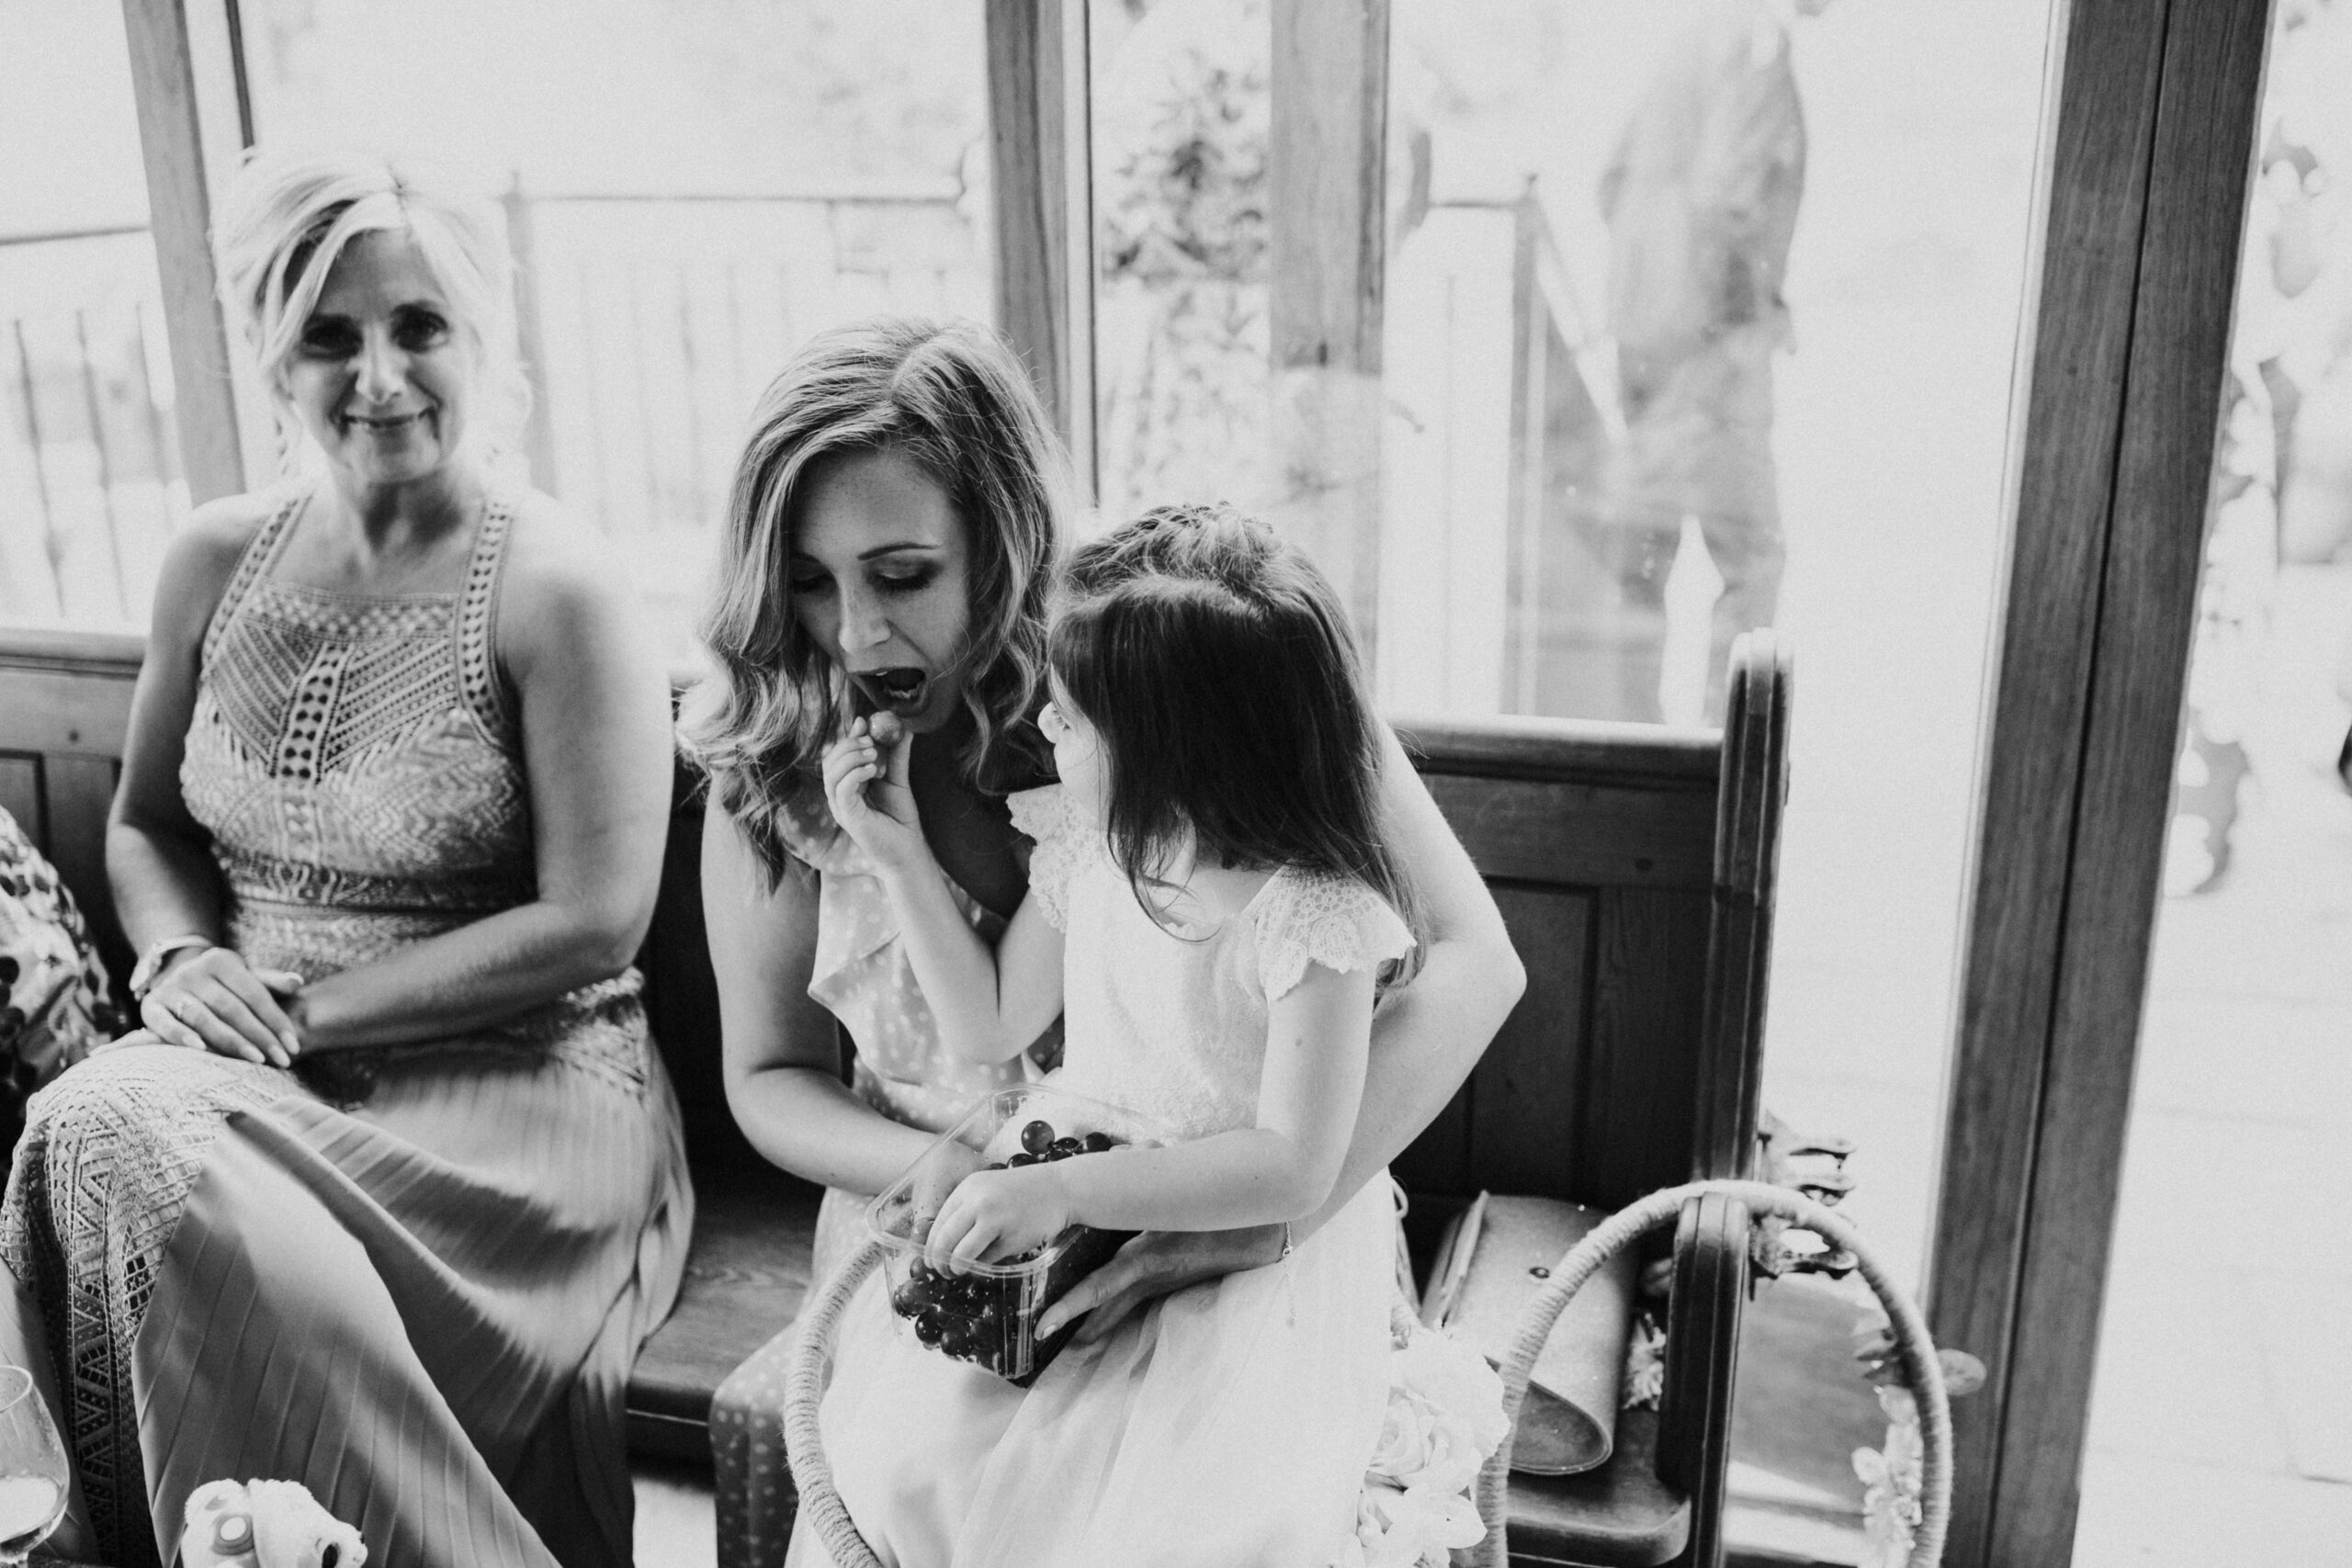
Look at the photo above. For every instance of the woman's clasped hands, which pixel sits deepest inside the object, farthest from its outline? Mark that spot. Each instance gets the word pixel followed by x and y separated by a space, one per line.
pixel 210 1000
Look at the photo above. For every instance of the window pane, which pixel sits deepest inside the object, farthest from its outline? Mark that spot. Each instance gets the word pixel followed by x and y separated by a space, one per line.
pixel 694 188
pixel 1702 316
pixel 1180 101
pixel 89 458
pixel 2218 1411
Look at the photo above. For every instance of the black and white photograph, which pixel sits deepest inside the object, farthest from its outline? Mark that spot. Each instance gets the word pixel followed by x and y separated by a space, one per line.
pixel 1022 784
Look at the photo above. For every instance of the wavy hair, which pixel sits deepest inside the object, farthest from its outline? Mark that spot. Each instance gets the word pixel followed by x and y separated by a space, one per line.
pixel 953 399
pixel 1217 666
pixel 283 222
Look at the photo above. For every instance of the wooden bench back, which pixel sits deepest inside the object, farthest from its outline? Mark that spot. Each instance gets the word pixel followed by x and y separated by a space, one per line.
pixel 1634 865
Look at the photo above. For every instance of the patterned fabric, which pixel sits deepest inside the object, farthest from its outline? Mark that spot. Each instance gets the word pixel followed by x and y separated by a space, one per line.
pixel 862 976
pixel 54 1006
pixel 1180 1027
pixel 521 1187
pixel 100 1191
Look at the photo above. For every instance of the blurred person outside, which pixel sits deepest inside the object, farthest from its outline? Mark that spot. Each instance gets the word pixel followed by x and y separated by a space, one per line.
pixel 2271 488
pixel 1701 200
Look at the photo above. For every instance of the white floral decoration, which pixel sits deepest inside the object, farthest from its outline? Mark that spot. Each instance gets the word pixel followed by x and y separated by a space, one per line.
pixel 1444 1419
pixel 1645 1376
pixel 1891 1481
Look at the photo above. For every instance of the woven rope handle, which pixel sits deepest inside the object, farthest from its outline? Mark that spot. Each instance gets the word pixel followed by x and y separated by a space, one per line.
pixel 804 1388
pixel 804 1382
pixel 1920 1366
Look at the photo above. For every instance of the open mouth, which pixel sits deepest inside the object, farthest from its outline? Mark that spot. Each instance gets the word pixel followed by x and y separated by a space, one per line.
pixel 899 689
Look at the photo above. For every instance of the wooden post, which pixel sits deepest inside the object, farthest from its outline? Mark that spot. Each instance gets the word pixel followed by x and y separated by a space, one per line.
pixel 2154 144
pixel 1327 184
pixel 1040 164
pixel 530 330
pixel 193 123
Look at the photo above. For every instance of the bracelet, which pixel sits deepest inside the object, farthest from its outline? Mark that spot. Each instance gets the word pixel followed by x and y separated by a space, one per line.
pixel 144 973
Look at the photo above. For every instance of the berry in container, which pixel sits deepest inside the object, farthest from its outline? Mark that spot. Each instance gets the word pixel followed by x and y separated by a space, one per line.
pixel 987 1312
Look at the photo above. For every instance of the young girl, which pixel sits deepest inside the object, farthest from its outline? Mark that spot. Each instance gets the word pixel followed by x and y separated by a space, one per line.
pixel 1211 909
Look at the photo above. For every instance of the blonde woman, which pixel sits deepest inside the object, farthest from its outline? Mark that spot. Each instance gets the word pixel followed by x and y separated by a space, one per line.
pixel 391 1187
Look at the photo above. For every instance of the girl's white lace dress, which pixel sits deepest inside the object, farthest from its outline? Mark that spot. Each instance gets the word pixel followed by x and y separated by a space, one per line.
pixel 1232 1424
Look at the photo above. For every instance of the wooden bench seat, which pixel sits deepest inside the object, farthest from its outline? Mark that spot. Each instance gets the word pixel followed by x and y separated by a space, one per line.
pixel 745 1277
pixel 1634 866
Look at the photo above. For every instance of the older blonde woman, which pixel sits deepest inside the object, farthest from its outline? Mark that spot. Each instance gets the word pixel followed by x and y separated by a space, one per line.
pixel 391 1188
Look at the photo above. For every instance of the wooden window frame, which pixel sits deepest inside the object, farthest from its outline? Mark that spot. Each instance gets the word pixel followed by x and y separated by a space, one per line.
pixel 1041 152
pixel 187 77
pixel 2151 155
pixel 2150 142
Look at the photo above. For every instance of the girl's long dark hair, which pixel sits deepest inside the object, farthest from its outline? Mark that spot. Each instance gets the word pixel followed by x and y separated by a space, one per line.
pixel 1216 665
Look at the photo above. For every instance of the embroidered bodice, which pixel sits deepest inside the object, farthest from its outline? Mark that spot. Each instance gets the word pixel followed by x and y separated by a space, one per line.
pixel 356 755
pixel 1173 1023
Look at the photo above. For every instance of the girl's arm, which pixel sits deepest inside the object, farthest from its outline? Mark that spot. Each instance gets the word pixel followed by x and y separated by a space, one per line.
pixel 1275 1172
pixel 1424 1043
pixel 991 1003
pixel 594 707
pixel 780 1049
pixel 1430 1033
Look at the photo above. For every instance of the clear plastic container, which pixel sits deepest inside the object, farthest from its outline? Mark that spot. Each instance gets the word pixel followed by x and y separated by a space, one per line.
pixel 987 1312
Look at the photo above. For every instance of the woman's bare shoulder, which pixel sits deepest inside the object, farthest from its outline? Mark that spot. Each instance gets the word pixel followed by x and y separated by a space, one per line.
pixel 556 560
pixel 217 532
pixel 563 595
pixel 203 555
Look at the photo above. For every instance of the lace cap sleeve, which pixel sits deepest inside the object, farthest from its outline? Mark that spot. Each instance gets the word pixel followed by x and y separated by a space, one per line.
pixel 1044 816
pixel 1334 921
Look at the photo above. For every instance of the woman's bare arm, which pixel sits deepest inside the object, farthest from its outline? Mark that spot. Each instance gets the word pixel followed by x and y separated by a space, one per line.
pixel 159 859
pixel 595 727
pixel 1429 1035
pixel 780 1048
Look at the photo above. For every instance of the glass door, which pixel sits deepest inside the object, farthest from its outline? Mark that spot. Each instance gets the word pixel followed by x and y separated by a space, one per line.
pixel 1697 316
pixel 2220 1425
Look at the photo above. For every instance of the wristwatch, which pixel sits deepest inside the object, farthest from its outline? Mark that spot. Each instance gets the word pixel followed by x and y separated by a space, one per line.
pixel 144 973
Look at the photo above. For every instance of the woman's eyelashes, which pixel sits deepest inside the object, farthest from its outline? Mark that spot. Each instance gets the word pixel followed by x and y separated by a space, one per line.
pixel 893 582
pixel 415 331
pixel 330 340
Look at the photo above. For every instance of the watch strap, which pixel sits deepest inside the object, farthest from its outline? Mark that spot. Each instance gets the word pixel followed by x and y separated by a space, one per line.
pixel 153 957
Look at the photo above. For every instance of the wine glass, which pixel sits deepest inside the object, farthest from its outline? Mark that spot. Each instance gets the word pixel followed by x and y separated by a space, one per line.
pixel 32 1468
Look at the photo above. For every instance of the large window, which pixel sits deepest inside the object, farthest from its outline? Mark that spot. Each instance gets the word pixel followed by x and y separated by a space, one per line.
pixel 89 462
pixel 1695 317
pixel 693 187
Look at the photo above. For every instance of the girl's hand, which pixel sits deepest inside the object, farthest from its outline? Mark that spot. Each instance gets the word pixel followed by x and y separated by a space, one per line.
pixel 994 1215
pixel 209 1001
pixel 865 783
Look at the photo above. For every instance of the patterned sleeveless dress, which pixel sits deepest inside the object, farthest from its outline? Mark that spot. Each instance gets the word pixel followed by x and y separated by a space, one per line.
pixel 862 976
pixel 413 1277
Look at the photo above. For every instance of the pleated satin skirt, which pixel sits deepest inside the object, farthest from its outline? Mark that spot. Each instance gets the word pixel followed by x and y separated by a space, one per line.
pixel 424 1308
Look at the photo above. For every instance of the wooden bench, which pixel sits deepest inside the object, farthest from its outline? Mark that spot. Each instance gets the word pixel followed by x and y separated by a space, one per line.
pixel 1634 866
